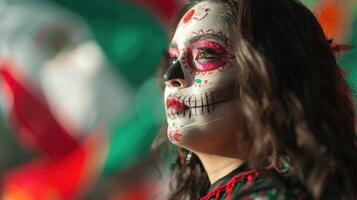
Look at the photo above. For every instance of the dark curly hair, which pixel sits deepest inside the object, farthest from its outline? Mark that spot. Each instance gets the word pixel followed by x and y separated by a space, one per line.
pixel 293 101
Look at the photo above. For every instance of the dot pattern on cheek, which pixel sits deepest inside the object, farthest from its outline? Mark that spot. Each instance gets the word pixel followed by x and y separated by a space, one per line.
pixel 187 58
pixel 200 83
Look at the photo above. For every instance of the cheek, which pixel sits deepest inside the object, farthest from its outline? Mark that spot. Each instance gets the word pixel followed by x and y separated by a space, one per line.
pixel 214 80
pixel 210 134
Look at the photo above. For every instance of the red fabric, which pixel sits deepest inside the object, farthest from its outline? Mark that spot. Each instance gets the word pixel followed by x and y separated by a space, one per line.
pixel 49 180
pixel 32 118
pixel 44 180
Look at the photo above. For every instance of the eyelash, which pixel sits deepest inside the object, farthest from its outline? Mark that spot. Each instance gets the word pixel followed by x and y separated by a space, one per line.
pixel 207 55
pixel 200 57
pixel 204 58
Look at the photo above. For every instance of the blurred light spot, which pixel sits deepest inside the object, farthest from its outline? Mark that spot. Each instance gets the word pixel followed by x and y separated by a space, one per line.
pixel 127 42
pixel 129 142
pixel 309 3
pixel 88 57
pixel 2 6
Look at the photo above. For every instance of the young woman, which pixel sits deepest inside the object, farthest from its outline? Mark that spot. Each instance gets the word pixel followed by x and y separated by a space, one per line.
pixel 257 105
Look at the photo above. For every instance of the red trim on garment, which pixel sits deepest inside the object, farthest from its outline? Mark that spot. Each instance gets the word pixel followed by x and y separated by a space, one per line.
pixel 229 186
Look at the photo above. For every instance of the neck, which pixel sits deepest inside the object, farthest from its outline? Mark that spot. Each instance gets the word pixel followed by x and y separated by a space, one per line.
pixel 218 166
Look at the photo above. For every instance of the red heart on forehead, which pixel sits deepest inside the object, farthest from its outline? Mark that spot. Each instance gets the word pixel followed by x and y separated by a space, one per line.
pixel 188 16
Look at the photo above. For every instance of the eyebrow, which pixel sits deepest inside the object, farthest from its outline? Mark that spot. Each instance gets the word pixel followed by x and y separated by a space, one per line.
pixel 198 38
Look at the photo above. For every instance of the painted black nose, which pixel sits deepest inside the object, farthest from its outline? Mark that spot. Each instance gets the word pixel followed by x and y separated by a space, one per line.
pixel 174 72
pixel 174 76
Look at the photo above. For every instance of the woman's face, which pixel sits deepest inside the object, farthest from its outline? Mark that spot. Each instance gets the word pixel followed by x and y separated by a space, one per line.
pixel 200 83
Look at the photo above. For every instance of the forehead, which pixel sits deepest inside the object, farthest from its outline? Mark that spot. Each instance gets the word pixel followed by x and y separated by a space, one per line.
pixel 205 18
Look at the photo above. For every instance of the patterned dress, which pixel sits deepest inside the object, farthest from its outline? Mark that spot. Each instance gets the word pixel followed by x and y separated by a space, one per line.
pixel 248 184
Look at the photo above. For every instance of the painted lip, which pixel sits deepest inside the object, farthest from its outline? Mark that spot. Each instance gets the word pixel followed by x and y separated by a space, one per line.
pixel 187 106
pixel 174 105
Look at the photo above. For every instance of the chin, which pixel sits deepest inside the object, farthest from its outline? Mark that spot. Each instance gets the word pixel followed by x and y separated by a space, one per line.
pixel 205 133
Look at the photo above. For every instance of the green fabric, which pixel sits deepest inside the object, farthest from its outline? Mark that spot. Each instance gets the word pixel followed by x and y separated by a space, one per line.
pixel 130 37
pixel 133 41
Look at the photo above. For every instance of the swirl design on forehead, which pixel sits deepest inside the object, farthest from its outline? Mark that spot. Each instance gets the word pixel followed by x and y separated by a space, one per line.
pixel 187 58
pixel 202 13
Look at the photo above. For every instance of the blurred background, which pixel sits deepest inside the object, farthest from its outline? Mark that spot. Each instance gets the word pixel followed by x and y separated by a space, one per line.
pixel 80 104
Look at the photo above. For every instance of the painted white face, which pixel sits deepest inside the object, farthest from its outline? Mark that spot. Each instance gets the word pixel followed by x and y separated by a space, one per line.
pixel 199 93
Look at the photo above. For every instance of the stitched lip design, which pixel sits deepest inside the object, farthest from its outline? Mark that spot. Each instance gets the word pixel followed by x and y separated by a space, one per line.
pixel 188 106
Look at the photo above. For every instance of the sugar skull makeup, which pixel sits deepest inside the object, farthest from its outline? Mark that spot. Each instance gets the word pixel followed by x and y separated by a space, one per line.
pixel 200 82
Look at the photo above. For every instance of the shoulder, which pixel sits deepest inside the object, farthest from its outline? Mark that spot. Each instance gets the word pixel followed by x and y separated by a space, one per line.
pixel 272 188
